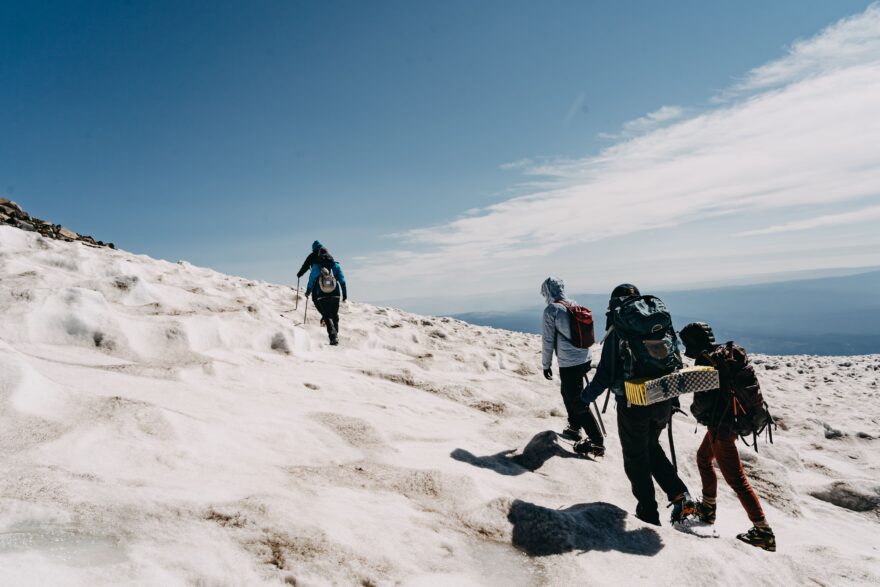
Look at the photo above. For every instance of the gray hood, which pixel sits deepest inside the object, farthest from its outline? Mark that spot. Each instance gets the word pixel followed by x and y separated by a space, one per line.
pixel 553 289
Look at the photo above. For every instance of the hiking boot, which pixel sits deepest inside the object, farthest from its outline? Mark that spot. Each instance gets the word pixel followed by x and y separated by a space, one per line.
pixel 587 448
pixel 651 517
pixel 706 512
pixel 571 433
pixel 760 537
pixel 682 506
pixel 334 341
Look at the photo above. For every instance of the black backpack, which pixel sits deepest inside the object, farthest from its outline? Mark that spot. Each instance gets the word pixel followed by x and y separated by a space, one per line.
pixel 740 401
pixel 648 343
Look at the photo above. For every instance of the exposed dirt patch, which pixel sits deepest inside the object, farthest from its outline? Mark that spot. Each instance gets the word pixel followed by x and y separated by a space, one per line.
pixel 355 431
pixel 234 520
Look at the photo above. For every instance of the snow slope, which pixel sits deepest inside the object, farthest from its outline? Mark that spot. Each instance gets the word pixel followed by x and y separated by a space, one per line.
pixel 163 424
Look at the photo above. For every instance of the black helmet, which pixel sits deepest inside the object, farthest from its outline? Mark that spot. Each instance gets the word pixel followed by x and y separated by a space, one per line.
pixel 697 338
pixel 625 290
pixel 620 293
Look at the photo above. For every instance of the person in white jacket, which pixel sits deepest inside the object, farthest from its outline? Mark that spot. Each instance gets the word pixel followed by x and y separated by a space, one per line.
pixel 574 364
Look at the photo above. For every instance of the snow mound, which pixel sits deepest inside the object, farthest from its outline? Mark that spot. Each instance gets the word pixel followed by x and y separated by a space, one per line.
pixel 165 424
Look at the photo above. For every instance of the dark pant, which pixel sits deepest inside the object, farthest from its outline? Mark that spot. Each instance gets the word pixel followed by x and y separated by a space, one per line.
pixel 328 306
pixel 639 428
pixel 722 448
pixel 579 415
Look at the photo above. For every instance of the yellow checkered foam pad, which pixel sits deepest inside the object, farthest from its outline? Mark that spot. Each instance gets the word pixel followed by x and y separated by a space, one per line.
pixel 647 391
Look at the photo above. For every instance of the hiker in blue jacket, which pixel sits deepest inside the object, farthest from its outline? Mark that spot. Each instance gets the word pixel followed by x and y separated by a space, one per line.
pixel 574 364
pixel 326 285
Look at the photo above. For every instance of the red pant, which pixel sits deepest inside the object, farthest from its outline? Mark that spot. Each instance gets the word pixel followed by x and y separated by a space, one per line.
pixel 722 448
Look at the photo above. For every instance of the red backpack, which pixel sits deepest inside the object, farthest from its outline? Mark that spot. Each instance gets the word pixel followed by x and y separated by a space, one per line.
pixel 582 334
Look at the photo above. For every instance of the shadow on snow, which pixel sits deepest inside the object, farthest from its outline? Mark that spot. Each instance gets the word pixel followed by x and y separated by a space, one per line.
pixel 599 526
pixel 540 449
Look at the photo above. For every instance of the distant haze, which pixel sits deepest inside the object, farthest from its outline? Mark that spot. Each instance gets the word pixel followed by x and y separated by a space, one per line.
pixel 826 316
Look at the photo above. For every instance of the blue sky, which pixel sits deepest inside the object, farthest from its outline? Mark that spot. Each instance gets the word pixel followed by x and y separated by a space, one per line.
pixel 442 140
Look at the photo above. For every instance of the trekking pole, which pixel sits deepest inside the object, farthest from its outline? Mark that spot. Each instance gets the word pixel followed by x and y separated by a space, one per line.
pixel 607 397
pixel 296 305
pixel 596 406
pixel 601 423
pixel 672 444
pixel 306 316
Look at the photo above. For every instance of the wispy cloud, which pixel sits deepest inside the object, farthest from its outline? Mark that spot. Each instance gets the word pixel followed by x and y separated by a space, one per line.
pixel 850 42
pixel 857 216
pixel 576 106
pixel 646 123
pixel 798 132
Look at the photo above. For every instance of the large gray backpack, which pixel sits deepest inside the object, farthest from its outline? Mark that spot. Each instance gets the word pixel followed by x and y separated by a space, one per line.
pixel 327 281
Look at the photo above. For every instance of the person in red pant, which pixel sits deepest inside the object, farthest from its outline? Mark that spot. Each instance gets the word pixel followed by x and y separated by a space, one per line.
pixel 715 409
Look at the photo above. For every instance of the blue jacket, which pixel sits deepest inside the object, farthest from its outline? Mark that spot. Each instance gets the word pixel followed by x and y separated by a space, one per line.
pixel 337 272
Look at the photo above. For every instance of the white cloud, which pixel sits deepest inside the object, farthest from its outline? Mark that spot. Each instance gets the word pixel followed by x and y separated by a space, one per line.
pixel 857 216
pixel 798 132
pixel 521 164
pixel 646 123
pixel 849 42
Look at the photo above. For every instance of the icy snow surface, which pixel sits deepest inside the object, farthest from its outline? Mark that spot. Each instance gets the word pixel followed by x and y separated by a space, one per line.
pixel 163 424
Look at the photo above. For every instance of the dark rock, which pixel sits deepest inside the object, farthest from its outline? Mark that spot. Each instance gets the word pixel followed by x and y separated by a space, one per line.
pixel 67 233
pixel 12 215
pixel 9 203
pixel 832 433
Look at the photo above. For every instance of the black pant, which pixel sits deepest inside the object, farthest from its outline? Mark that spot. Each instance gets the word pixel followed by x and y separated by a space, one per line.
pixel 579 416
pixel 639 428
pixel 328 306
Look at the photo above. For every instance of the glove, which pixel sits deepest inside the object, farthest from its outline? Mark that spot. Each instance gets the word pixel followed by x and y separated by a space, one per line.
pixel 548 374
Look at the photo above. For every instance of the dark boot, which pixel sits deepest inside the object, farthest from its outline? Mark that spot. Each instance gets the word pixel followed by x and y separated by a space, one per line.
pixel 588 448
pixel 683 507
pixel 706 512
pixel 331 331
pixel 759 537
pixel 571 433
pixel 648 516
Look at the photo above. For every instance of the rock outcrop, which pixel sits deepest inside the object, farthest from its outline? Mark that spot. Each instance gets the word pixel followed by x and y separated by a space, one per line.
pixel 11 214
